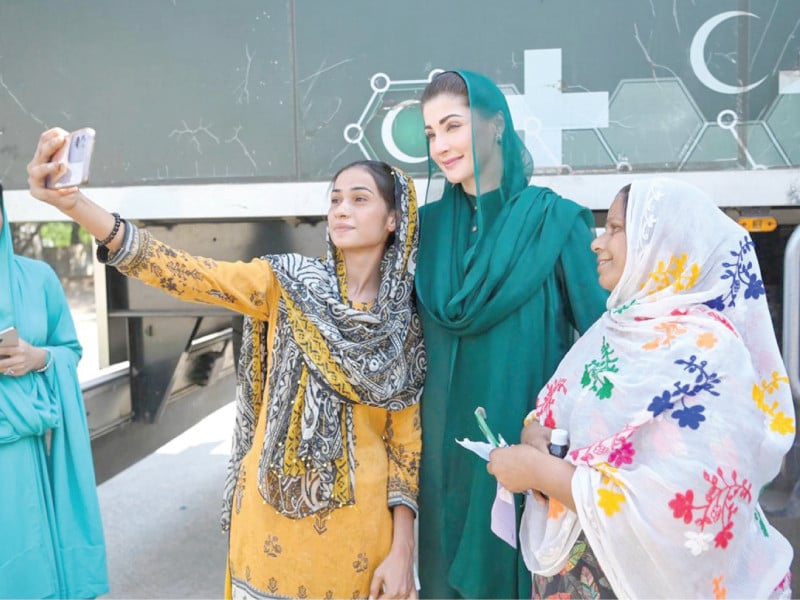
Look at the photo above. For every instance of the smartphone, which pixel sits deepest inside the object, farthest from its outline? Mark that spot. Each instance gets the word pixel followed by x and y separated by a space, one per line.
pixel 8 337
pixel 76 153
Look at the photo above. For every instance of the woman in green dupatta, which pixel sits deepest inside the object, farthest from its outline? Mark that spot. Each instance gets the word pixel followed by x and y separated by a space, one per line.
pixel 505 277
pixel 52 538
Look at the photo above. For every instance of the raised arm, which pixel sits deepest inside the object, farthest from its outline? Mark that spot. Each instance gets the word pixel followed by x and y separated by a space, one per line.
pixel 244 287
pixel 70 201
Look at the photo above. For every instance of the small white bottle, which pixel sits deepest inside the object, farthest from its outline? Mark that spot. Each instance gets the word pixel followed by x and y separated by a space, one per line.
pixel 559 443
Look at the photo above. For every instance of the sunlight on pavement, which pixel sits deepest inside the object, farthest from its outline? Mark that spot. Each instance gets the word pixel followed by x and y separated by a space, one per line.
pixel 216 427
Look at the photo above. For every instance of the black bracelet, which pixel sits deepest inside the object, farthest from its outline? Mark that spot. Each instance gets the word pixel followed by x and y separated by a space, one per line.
pixel 114 231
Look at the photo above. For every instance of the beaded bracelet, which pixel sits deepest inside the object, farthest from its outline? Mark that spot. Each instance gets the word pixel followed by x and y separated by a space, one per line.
pixel 114 231
pixel 47 362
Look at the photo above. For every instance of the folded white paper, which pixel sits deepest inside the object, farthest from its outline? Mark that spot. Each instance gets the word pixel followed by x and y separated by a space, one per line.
pixel 482 449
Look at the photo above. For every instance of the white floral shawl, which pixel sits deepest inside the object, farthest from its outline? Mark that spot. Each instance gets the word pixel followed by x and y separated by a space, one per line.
pixel 679 411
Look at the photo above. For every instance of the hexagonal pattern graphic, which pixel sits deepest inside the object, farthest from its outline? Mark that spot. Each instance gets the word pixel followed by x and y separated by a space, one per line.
pixel 585 149
pixel 390 127
pixel 747 146
pixel 784 122
pixel 659 136
pixel 653 124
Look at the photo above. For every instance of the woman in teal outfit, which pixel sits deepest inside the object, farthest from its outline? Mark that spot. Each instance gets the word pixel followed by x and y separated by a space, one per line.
pixel 505 277
pixel 51 545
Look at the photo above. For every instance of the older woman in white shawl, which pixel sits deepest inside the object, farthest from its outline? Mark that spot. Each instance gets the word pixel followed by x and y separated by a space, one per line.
pixel 678 410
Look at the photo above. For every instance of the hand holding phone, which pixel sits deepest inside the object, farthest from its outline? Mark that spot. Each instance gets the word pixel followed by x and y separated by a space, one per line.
pixel 8 337
pixel 76 154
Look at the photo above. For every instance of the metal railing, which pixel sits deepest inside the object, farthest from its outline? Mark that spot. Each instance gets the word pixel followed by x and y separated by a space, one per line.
pixel 107 399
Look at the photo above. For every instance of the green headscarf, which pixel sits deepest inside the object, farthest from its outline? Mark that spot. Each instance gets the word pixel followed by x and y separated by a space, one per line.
pixel 473 287
pixel 503 281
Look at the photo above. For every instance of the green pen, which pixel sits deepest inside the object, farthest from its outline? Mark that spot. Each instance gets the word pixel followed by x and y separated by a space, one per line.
pixel 480 415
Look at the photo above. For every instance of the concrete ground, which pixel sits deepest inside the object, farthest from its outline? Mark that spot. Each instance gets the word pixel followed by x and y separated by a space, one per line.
pixel 161 517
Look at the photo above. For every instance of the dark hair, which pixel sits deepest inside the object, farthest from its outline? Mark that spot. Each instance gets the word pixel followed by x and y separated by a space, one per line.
pixel 448 82
pixel 382 173
pixel 624 193
pixel 486 100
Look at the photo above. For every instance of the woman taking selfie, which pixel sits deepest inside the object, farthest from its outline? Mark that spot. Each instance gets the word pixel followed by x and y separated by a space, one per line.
pixel 322 486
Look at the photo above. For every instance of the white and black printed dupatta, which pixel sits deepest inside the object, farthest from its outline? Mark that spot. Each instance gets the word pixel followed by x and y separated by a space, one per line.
pixel 326 357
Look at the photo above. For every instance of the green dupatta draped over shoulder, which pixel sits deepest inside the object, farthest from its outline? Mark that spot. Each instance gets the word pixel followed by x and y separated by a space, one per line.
pixel 51 545
pixel 503 280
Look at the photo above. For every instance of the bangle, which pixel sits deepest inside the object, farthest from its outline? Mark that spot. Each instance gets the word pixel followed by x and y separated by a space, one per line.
pixel 47 362
pixel 114 231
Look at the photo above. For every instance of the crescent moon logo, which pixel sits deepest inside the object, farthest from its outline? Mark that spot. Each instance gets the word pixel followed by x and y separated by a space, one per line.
pixel 698 61
pixel 387 135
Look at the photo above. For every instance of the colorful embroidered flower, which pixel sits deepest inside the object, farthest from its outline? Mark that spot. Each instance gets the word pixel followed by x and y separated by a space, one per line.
pixel 544 405
pixel 667 333
pixel 721 499
pixel 593 373
pixel 715 304
pixel 690 416
pixel 704 381
pixel 682 505
pixel 610 501
pixel 661 403
pixel 606 389
pixel 724 536
pixel 622 455
pixel 697 541
pixel 782 424
pixel 706 340
pixel 720 591
pixel 675 273
pixel 755 288
pixel 739 273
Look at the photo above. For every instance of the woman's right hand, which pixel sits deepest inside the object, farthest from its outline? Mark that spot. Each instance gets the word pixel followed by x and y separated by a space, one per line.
pixel 41 167
pixel 514 467
pixel 536 435
pixel 93 218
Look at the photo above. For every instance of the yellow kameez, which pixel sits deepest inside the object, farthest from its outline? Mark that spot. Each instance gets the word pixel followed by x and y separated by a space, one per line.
pixel 327 555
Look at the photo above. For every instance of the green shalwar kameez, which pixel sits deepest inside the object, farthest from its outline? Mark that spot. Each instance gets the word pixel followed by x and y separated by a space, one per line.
pixel 502 283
